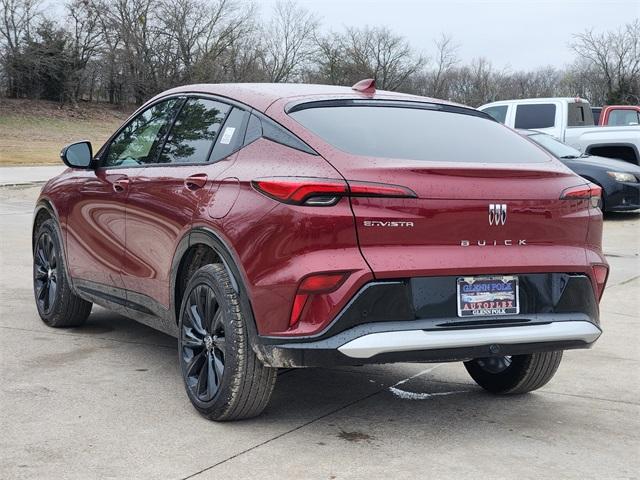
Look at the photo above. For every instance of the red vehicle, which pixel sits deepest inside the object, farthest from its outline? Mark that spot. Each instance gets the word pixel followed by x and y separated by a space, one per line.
pixel 295 225
pixel 619 115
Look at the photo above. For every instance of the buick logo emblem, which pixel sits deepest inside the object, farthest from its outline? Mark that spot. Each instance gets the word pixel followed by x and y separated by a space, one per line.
pixel 497 213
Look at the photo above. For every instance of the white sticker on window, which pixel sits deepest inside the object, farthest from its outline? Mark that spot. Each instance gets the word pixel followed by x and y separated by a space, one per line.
pixel 227 135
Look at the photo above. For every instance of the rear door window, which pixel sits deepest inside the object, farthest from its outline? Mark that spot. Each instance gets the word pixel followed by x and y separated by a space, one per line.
pixel 194 132
pixel 499 112
pixel 537 115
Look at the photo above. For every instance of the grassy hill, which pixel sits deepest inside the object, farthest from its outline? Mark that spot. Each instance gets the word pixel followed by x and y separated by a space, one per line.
pixel 33 132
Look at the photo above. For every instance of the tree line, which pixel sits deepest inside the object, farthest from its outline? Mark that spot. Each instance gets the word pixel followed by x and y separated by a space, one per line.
pixel 124 51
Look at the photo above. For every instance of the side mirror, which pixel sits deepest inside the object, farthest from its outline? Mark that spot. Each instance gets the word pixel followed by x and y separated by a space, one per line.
pixel 77 155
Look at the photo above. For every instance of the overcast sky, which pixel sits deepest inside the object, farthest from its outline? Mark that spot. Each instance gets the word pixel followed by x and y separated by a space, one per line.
pixel 520 34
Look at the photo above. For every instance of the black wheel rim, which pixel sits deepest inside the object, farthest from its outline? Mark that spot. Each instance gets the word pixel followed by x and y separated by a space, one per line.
pixel 495 364
pixel 202 344
pixel 46 273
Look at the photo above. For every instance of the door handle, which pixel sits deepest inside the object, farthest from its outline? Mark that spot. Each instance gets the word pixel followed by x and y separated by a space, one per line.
pixel 194 182
pixel 121 184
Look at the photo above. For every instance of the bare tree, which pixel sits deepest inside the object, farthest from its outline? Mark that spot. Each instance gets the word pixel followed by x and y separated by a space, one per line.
pixel 124 51
pixel 330 60
pixel 18 20
pixel 366 52
pixel 288 41
pixel 85 41
pixel 381 54
pixel 616 56
pixel 446 58
pixel 199 32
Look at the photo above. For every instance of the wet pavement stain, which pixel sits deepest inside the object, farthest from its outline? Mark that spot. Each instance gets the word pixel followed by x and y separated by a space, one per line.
pixel 52 360
pixel 354 436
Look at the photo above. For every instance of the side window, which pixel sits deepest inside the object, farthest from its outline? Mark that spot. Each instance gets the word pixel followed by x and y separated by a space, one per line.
pixel 194 132
pixel 254 130
pixel 138 143
pixel 623 117
pixel 542 115
pixel 499 112
pixel 274 132
pixel 265 128
pixel 230 139
pixel 579 115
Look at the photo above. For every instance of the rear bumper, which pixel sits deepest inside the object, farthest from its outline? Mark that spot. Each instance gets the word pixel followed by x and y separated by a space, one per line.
pixel 415 342
pixel 415 320
pixel 373 344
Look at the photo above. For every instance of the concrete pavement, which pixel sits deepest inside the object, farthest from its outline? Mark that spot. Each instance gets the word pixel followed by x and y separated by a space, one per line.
pixel 28 175
pixel 106 400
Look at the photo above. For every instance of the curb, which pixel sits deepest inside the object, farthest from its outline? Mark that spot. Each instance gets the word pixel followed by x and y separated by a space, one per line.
pixel 23 184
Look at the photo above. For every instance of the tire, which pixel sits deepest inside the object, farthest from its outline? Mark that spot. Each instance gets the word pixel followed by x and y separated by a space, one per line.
pixel 57 304
pixel 515 374
pixel 223 377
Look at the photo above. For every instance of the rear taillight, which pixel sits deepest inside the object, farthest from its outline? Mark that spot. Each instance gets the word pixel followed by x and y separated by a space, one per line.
pixel 324 191
pixel 314 285
pixel 589 191
pixel 601 273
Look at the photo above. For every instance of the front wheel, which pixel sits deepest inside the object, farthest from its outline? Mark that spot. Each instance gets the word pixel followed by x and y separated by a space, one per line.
pixel 57 304
pixel 514 374
pixel 223 377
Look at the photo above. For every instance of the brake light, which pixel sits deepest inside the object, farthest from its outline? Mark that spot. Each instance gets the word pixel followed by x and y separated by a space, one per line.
pixel 601 273
pixel 313 285
pixel 324 191
pixel 589 191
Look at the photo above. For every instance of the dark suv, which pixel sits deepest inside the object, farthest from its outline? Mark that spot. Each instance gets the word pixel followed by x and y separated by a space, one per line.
pixel 293 225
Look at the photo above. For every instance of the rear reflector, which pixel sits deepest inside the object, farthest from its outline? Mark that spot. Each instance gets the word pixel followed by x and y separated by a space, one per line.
pixel 312 285
pixel 601 273
pixel 589 191
pixel 324 191
pixel 298 305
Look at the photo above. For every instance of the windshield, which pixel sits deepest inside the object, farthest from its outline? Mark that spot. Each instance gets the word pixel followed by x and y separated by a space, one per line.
pixel 431 133
pixel 555 147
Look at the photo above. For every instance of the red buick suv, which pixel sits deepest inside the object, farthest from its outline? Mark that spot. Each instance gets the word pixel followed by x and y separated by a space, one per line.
pixel 275 225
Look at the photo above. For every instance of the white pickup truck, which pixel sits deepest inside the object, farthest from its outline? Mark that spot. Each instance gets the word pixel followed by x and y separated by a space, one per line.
pixel 570 120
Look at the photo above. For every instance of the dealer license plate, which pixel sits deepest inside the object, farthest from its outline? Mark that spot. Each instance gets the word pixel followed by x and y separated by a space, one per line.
pixel 488 296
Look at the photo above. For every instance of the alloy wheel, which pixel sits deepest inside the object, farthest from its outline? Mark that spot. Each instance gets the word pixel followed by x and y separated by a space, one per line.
pixel 202 344
pixel 495 364
pixel 46 272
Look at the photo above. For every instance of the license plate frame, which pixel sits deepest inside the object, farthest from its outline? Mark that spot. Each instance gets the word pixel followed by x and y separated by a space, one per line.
pixel 487 296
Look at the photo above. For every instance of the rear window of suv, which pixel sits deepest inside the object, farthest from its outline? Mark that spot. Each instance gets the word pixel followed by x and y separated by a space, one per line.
pixel 430 133
pixel 537 115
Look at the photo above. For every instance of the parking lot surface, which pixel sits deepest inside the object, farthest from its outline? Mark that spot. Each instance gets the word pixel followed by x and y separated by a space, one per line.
pixel 106 400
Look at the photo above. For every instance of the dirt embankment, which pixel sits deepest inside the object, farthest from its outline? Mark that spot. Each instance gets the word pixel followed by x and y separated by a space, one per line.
pixel 32 132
